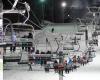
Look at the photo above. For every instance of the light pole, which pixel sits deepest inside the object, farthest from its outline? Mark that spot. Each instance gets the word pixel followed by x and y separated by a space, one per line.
pixel 63 5
pixel 43 1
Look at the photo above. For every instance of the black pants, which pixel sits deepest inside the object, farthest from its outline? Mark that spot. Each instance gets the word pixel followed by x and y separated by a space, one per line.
pixel 30 67
pixel 13 48
pixel 67 70
pixel 29 46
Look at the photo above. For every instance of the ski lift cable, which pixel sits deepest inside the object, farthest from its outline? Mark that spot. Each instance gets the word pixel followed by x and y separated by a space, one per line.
pixel 32 22
pixel 7 24
pixel 7 19
pixel 35 17
pixel 29 9
pixel 29 19
pixel 15 4
pixel 10 2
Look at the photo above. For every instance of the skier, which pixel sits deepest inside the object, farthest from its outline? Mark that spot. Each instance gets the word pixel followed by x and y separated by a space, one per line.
pixel 30 65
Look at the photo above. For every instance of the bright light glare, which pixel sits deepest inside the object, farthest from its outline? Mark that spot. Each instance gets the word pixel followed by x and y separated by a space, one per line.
pixel 94 14
pixel 42 0
pixel 63 4
pixel 68 15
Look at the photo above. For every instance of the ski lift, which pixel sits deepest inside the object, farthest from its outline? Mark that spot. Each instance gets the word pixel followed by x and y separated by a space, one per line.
pixel 22 29
pixel 82 26
pixel 91 52
pixel 79 33
pixel 90 59
pixel 81 30
pixel 98 33
pixel 75 38
pixel 11 58
pixel 19 27
pixel 97 28
pixel 95 34
pixel 68 48
pixel 42 55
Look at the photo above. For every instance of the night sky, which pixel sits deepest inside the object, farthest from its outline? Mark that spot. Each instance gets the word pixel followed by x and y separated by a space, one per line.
pixel 53 11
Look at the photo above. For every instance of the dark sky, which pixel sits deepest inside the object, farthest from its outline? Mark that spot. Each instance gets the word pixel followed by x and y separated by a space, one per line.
pixel 53 10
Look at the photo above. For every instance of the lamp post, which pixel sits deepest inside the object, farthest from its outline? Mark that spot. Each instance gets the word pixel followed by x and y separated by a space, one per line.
pixel 63 5
pixel 42 1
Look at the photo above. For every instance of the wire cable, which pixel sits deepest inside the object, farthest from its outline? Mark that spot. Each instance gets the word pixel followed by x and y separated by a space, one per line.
pixel 27 18
pixel 28 15
pixel 36 17
pixel 10 2
pixel 7 24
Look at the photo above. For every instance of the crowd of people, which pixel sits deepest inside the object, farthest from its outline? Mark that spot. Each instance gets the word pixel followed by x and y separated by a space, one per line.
pixel 68 65
pixel 71 63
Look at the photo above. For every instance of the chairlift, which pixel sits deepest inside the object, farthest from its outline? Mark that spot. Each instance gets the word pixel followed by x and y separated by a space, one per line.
pixel 79 33
pixel 68 48
pixel 11 58
pixel 93 9
pixel 97 28
pixel 20 27
pixel 90 59
pixel 42 55
pixel 98 33
pixel 75 38
pixel 20 40
pixel 82 26
pixel 82 30
pixel 93 55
